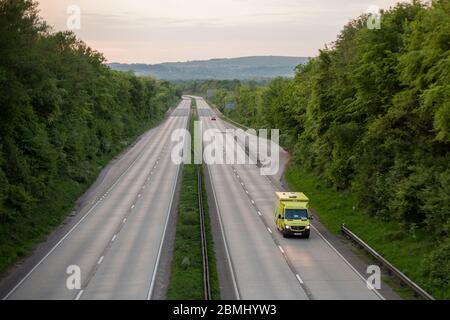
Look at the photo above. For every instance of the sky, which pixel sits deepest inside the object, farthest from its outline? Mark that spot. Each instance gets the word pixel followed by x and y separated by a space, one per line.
pixel 155 31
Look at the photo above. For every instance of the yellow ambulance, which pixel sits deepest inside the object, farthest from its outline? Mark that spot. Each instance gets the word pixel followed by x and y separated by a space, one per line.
pixel 292 215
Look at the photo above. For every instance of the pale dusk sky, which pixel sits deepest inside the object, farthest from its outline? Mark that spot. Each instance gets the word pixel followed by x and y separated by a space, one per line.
pixel 154 31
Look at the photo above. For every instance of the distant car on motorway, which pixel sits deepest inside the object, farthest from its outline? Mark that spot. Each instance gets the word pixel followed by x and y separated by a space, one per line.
pixel 214 119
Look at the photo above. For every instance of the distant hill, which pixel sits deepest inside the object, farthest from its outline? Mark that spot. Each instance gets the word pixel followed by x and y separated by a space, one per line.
pixel 246 68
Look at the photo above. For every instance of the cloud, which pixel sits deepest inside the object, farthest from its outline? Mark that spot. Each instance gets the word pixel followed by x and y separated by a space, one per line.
pixel 160 30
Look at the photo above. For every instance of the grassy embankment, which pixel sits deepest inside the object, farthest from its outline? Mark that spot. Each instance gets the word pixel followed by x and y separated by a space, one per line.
pixel 19 240
pixel 405 251
pixel 334 208
pixel 186 281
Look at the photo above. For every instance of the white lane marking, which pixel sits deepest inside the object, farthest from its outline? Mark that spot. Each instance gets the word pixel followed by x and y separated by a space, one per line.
pixel 268 229
pixel 71 230
pixel 124 220
pixel 281 249
pixel 253 201
pixel 259 213
pixel 114 238
pixel 346 261
pixel 78 297
pixel 77 224
pixel 139 195
pixel 101 260
pixel 246 191
pixel 155 268
pixel 299 279
pixel 242 184
pixel 230 264
pixel 132 207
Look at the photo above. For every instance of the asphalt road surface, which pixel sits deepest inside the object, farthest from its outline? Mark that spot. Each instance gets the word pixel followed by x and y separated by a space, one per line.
pixel 118 241
pixel 265 265
pixel 117 244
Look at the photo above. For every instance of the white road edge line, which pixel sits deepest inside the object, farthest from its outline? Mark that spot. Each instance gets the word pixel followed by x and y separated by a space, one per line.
pixel 230 265
pixel 341 256
pixel 346 261
pixel 155 269
pixel 76 225
pixel 100 260
pixel 78 297
pixel 71 230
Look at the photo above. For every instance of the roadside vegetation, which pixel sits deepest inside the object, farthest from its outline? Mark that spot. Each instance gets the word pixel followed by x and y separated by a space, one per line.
pixel 367 122
pixel 63 116
pixel 186 282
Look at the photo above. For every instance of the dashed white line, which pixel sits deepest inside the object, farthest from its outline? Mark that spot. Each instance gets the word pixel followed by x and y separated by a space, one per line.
pixel 132 207
pixel 270 231
pixel 246 191
pixel 78 297
pixel 299 279
pixel 281 249
pixel 114 238
pixel 253 201
pixel 101 260
pixel 139 195
pixel 259 213
pixel 124 220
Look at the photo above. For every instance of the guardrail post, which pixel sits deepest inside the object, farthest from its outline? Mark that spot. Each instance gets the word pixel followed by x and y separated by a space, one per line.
pixel 404 280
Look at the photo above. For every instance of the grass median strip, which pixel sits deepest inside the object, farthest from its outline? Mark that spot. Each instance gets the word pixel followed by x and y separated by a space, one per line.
pixel 186 281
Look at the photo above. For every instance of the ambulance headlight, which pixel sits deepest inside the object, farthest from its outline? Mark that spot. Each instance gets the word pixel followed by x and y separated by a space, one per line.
pixel 308 227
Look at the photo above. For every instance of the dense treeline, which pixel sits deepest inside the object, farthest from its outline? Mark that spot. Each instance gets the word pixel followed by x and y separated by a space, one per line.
pixel 63 115
pixel 371 115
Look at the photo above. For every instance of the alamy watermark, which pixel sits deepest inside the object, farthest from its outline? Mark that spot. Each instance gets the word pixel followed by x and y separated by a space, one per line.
pixel 73 281
pixel 374 280
pixel 229 147
pixel 73 21
pixel 374 18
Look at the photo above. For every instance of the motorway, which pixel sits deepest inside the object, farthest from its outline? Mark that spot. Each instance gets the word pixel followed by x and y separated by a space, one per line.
pixel 263 264
pixel 119 238
pixel 117 243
